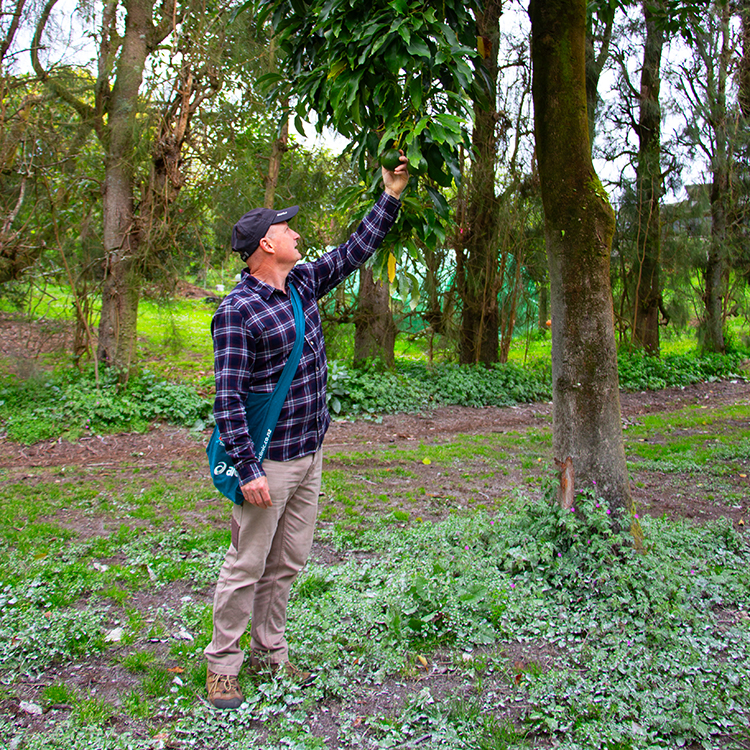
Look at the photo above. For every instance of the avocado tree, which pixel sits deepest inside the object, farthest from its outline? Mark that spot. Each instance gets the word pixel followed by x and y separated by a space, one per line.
pixel 385 74
pixel 579 226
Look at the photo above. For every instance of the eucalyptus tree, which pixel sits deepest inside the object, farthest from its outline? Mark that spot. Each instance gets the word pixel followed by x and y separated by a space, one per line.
pixel 134 36
pixel 599 28
pixel 710 111
pixel 647 303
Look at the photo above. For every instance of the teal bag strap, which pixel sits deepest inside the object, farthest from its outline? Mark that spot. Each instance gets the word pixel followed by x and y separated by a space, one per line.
pixel 263 410
pixel 282 387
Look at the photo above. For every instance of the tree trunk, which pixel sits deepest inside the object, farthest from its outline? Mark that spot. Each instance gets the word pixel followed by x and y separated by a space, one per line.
pixel 279 148
pixel 508 315
pixel 713 328
pixel 477 257
pixel 579 225
pixel 543 315
pixel 120 290
pixel 649 191
pixel 374 329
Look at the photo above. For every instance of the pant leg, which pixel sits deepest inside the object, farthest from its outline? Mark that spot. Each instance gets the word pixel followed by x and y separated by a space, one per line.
pixel 288 555
pixel 253 532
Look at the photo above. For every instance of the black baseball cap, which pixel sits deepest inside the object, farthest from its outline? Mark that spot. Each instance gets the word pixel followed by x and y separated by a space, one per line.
pixel 252 227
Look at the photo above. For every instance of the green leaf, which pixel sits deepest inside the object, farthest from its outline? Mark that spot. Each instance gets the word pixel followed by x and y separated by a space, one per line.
pixel 418 48
pixel 441 205
pixel 415 93
pixel 395 57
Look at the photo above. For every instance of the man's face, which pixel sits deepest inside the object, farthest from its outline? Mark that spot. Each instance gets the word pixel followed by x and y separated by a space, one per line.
pixel 284 240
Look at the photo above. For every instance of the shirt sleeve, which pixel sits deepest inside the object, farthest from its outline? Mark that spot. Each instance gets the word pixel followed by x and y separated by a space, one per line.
pixel 333 267
pixel 234 357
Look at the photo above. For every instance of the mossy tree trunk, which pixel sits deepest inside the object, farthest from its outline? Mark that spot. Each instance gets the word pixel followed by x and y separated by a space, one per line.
pixel 477 255
pixel 579 225
pixel 647 298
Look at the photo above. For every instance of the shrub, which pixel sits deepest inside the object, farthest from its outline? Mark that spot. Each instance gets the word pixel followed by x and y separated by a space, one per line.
pixel 640 372
pixel 69 404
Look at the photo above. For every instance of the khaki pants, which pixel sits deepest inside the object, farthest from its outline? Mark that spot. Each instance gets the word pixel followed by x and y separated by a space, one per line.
pixel 269 548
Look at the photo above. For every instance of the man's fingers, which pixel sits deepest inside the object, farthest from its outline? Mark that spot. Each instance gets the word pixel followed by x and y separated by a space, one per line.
pixel 256 493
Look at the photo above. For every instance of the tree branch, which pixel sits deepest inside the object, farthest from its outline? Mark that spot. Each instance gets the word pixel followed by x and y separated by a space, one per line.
pixel 84 110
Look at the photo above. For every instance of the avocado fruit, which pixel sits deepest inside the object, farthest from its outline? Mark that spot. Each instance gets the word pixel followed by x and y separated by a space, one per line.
pixel 390 159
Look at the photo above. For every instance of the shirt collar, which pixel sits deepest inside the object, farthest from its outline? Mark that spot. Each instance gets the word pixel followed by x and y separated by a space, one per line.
pixel 256 285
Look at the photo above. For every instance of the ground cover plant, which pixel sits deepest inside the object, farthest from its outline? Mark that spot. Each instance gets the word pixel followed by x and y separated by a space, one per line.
pixel 70 403
pixel 448 601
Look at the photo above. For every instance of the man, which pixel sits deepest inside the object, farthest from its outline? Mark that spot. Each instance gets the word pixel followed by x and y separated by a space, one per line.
pixel 253 332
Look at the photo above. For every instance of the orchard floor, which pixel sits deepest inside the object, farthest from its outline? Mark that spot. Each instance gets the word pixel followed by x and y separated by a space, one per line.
pixel 367 453
pixel 174 454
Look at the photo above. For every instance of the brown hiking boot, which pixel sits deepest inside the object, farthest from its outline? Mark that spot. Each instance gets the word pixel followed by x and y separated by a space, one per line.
pixel 223 690
pixel 259 665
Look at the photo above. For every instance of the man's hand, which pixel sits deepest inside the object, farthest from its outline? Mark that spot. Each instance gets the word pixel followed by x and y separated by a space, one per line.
pixel 256 492
pixel 395 181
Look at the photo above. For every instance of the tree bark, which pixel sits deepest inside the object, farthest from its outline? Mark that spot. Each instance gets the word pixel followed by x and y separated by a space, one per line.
pixel 477 256
pixel 374 329
pixel 649 191
pixel 714 272
pixel 579 226
pixel 120 289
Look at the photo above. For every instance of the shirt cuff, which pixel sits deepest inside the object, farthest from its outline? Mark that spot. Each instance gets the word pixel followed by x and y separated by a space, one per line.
pixel 249 471
pixel 390 204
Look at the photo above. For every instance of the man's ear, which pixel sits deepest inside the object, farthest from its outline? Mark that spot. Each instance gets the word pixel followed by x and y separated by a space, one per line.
pixel 268 244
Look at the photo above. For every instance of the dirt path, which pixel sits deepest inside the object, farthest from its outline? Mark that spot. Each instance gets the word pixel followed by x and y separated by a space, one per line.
pixel 167 449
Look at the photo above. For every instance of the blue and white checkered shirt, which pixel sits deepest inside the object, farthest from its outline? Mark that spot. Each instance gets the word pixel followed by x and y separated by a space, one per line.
pixel 253 332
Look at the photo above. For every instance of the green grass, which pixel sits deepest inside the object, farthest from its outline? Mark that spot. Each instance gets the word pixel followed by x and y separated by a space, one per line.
pixel 537 628
pixel 598 633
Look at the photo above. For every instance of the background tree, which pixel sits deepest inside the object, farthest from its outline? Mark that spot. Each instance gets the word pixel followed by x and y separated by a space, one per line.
pixel 647 302
pixel 112 107
pixel 599 27
pixel 709 129
pixel 477 248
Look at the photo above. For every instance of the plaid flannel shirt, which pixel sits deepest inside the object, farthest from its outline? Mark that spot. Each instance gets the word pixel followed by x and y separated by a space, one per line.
pixel 253 332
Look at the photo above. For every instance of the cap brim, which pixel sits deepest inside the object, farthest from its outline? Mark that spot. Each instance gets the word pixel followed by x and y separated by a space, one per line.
pixel 285 214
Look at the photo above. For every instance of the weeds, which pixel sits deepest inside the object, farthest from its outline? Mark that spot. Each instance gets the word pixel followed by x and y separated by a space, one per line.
pixel 69 403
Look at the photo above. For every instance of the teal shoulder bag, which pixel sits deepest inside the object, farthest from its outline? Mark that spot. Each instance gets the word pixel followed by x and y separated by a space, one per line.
pixel 262 411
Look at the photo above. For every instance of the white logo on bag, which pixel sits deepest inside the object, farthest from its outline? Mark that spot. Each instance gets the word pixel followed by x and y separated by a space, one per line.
pixel 222 468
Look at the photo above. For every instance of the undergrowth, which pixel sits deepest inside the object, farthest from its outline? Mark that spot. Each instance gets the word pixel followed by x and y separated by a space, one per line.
pixel 642 650
pixel 70 404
